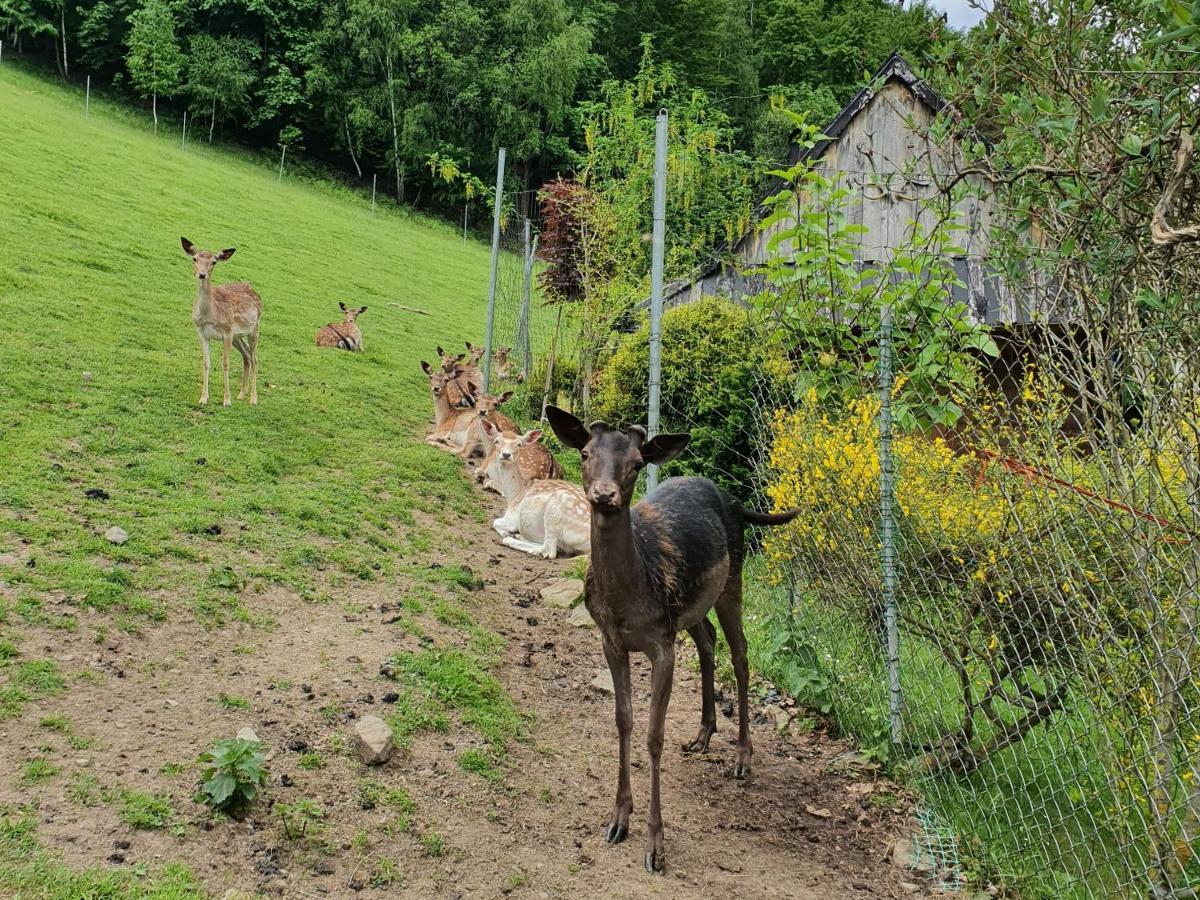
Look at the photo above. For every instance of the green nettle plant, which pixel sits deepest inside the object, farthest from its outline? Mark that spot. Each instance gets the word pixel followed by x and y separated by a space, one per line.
pixel 832 304
pixel 232 775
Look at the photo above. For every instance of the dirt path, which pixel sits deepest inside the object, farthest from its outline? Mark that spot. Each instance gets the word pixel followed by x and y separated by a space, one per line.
pixel 150 704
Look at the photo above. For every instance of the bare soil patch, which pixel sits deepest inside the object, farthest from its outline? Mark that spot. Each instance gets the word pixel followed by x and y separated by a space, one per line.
pixel 146 705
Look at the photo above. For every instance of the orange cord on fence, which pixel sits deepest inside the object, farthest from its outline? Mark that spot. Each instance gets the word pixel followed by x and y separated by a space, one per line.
pixel 1030 473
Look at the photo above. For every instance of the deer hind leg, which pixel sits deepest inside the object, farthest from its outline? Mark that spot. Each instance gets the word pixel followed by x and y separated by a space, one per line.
pixel 252 341
pixel 705 636
pixel 225 400
pixel 205 365
pixel 524 546
pixel 618 664
pixel 729 612
pixel 240 345
pixel 662 662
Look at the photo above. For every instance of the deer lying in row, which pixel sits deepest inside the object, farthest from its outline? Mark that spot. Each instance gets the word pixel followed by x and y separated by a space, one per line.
pixel 542 516
pixel 230 312
pixel 344 336
pixel 657 568
pixel 451 365
pixel 477 444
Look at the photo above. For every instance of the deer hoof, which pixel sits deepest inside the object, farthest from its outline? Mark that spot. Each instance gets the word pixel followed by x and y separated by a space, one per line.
pixel 656 862
pixel 616 833
pixel 741 771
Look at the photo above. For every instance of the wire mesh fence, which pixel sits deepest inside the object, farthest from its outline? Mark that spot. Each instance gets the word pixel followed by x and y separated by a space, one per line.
pixel 999 605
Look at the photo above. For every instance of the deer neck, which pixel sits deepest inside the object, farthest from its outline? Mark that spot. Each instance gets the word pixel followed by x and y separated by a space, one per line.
pixel 441 408
pixel 510 483
pixel 616 563
pixel 202 310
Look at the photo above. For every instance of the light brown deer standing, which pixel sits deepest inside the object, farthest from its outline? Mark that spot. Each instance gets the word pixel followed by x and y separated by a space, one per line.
pixel 344 336
pixel 231 312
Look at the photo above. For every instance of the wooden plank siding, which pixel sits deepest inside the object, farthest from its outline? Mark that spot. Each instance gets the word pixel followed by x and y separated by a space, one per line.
pixel 880 150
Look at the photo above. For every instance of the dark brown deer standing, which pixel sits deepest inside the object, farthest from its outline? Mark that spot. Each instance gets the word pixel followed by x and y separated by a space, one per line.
pixel 657 569
pixel 231 312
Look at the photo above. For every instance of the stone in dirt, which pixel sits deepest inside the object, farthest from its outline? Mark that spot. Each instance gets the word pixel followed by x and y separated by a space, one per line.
pixel 248 734
pixel 603 682
pixel 562 592
pixel 906 854
pixel 116 535
pixel 821 813
pixel 580 617
pixel 373 739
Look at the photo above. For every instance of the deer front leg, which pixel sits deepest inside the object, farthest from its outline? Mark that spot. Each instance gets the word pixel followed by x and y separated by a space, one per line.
pixel 205 365
pixel 662 661
pixel 618 665
pixel 226 401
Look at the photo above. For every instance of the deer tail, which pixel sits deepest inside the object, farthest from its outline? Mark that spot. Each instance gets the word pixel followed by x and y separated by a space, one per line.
pixel 757 518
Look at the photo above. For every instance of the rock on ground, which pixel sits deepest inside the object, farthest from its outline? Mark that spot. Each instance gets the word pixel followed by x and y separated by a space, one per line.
pixel 580 617
pixel 562 592
pixel 248 734
pixel 603 682
pixel 373 739
pixel 116 535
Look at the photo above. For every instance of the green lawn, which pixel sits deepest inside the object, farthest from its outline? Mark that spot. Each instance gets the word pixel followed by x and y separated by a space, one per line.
pixel 324 472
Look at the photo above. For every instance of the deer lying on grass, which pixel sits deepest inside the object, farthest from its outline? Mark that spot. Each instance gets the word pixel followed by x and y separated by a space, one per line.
pixel 544 516
pixel 450 391
pixel 487 407
pixel 502 366
pixel 656 569
pixel 469 372
pixel 534 460
pixel 347 335
pixel 231 312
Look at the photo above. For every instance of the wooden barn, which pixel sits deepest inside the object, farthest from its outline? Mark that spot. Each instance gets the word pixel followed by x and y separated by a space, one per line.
pixel 879 151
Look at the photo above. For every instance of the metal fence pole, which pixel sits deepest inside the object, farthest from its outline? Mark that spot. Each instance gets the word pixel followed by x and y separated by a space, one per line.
pixel 87 98
pixel 183 138
pixel 887 522
pixel 523 344
pixel 374 179
pixel 491 307
pixel 282 157
pixel 1 51
pixel 656 283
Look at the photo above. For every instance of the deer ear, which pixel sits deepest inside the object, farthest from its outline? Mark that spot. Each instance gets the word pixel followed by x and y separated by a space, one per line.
pixel 568 428
pixel 504 398
pixel 488 426
pixel 361 310
pixel 460 357
pixel 664 447
pixel 226 253
pixel 441 352
pixel 468 345
pixel 458 370
pixel 426 368
pixel 341 306
pixel 531 438
pixel 188 247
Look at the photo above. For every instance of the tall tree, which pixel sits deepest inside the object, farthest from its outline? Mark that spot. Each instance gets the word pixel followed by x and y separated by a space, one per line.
pixel 154 59
pixel 220 72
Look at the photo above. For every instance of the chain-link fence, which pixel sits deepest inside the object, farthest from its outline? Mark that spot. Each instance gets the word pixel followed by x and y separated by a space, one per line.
pixel 995 593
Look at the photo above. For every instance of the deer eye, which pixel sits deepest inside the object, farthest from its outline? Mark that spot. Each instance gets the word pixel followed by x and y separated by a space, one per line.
pixel 583 454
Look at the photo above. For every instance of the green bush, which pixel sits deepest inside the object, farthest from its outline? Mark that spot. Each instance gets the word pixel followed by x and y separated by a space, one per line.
pixel 714 362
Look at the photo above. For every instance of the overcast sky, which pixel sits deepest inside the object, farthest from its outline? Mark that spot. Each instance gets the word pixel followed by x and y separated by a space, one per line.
pixel 960 12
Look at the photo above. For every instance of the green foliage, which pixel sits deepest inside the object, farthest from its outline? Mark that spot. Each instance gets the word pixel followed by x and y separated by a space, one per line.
pixel 155 60
pixel 299 819
pixel 220 75
pixel 232 775
pixel 144 811
pixel 28 870
pixel 311 761
pixel 712 360
pixel 231 702
pixel 433 843
pixel 477 762
pixel 37 770
pixel 832 305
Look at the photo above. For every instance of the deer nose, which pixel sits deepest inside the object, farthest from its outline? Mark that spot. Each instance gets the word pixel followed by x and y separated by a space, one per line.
pixel 603 494
pixel 202 275
pixel 506 455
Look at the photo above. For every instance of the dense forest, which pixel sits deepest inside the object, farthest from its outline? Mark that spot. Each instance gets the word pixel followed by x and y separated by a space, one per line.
pixel 423 93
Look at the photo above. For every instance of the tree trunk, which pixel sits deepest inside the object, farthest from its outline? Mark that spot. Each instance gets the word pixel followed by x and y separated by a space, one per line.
pixel 154 109
pixel 395 133
pixel 350 146
pixel 63 31
pixel 212 120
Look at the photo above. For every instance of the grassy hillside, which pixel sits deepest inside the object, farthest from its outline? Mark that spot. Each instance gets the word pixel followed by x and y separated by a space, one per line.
pixel 92 279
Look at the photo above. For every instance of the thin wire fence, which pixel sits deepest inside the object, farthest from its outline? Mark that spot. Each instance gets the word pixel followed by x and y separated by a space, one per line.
pixel 1043 552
